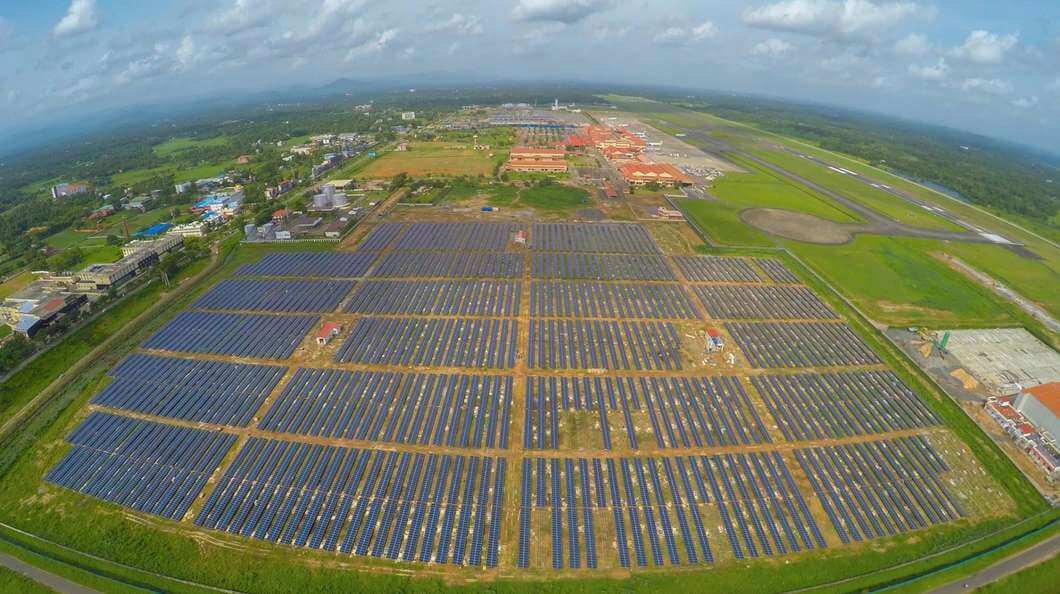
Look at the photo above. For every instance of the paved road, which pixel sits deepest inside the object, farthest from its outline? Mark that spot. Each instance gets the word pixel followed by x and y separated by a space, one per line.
pixel 1009 565
pixel 57 583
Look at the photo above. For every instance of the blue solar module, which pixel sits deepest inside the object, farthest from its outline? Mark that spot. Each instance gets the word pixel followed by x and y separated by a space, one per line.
pixel 386 503
pixel 800 344
pixel 618 238
pixel 776 270
pixel 151 467
pixel 449 265
pixel 594 344
pixel 716 269
pixel 879 488
pixel 834 405
pixel 442 298
pixel 771 302
pixel 282 296
pixel 380 236
pixel 204 391
pixel 488 343
pixel 564 299
pixel 322 264
pixel 683 411
pixel 600 267
pixel 457 236
pixel 244 335
pixel 435 409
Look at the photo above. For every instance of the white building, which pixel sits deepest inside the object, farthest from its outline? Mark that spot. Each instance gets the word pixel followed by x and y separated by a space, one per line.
pixel 408 115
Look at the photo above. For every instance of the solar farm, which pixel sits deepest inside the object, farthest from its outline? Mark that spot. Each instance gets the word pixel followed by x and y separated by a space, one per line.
pixel 519 398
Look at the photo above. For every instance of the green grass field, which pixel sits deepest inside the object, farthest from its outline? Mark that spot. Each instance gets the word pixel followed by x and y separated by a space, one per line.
pixel 15 283
pixel 1037 579
pixel 176 146
pixel 763 189
pixel 553 198
pixel 430 158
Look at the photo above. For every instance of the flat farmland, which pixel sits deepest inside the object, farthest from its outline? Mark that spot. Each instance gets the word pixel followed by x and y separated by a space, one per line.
pixel 431 158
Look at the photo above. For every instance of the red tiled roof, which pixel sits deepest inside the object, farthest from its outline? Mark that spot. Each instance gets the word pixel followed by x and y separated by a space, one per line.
pixel 660 171
pixel 529 150
pixel 326 330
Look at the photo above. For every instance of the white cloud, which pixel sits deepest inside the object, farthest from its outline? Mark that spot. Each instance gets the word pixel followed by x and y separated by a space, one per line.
pixel 562 11
pixel 610 31
pixel 242 15
pixel 459 24
pixel 374 45
pixel 704 30
pixel 536 37
pixel 771 47
pixel 1025 102
pixel 984 47
pixel 79 18
pixel 938 71
pixel 862 20
pixel 913 44
pixel 6 31
pixel 986 86
pixel 674 35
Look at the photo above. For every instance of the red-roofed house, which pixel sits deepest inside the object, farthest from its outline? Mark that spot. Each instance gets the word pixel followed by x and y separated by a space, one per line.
pixel 327 332
pixel 638 174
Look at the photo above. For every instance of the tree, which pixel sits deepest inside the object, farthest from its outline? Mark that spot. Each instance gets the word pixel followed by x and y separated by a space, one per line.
pixel 66 259
pixel 114 240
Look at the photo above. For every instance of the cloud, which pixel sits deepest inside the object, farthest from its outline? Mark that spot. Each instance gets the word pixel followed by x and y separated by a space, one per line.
pixel 458 24
pixel 984 86
pixel 375 44
pixel 771 47
pixel 610 31
pixel 703 31
pixel 984 47
pixel 6 32
pixel 913 44
pixel 560 11
pixel 676 35
pixel 851 20
pixel 938 71
pixel 79 18
pixel 1025 102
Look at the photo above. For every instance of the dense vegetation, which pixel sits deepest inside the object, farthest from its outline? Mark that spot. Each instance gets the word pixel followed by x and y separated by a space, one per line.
pixel 985 171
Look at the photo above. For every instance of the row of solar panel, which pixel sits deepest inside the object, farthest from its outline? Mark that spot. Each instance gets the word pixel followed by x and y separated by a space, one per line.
pixel 440 410
pixel 486 343
pixel 245 335
pixel 835 405
pixel 609 300
pixel 441 298
pixel 761 509
pixel 435 264
pixel 275 295
pixel 684 412
pixel 595 344
pixel 615 238
pixel 151 467
pixel 882 488
pixel 407 506
pixel 801 344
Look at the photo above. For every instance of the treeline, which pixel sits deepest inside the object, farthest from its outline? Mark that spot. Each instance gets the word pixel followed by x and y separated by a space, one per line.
pixel 985 171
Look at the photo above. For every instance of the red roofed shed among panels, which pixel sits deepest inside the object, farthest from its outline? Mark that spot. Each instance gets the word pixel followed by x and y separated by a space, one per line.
pixel 329 331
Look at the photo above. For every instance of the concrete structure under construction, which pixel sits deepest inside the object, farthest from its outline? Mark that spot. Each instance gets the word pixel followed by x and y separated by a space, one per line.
pixel 1005 360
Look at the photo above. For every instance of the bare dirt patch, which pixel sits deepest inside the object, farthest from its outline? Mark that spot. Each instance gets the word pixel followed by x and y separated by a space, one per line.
pixel 796 225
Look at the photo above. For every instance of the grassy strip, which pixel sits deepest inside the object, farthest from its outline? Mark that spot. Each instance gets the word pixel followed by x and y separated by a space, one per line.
pixel 13 581
pixel 89 577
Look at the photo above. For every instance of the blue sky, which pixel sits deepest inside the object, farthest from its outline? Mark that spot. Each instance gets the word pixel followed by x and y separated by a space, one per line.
pixel 985 66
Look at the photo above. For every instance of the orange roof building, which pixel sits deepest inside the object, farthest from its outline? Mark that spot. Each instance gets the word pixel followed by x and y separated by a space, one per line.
pixel 537 165
pixel 1041 406
pixel 529 152
pixel 639 174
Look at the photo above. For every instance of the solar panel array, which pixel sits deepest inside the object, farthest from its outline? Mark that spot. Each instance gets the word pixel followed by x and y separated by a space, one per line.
pixel 151 467
pixel 752 302
pixel 594 344
pixel 436 342
pixel 564 299
pixel 322 264
pixel 399 506
pixel 437 298
pixel 434 357
pixel 204 391
pixel 880 488
pixel 617 238
pixel 244 335
pixel 281 296
pixel 658 506
pixel 834 405
pixel 437 409
pixel 682 412
pixel 801 344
